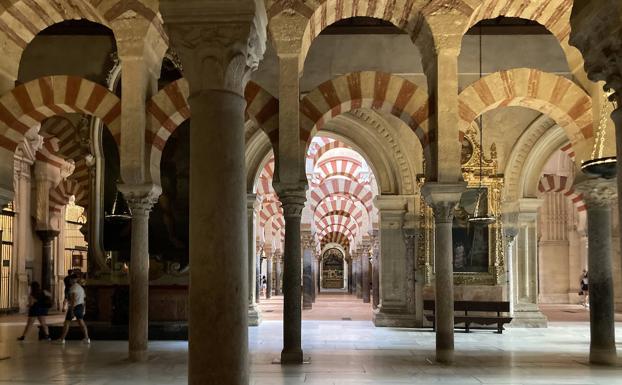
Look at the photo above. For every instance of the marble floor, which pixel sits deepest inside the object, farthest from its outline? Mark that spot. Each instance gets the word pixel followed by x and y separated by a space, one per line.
pixel 341 352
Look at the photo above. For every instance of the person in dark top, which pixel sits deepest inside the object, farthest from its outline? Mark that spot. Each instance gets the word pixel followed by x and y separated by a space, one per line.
pixel 38 304
pixel 67 283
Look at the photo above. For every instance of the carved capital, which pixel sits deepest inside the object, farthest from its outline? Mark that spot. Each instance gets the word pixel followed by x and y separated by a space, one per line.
pixel 443 198
pixel 140 198
pixel 292 197
pixel 308 241
pixel 598 192
pixel 596 29
pixel 216 52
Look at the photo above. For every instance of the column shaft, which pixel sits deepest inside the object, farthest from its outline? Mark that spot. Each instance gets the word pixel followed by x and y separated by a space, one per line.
pixel 278 274
pixel 292 310
pixel 269 267
pixel 218 298
pixel 139 285
pixel 365 277
pixel 444 269
pixel 602 315
pixel 307 272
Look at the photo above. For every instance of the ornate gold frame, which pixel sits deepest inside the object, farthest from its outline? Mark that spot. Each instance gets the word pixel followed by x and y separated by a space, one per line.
pixel 493 182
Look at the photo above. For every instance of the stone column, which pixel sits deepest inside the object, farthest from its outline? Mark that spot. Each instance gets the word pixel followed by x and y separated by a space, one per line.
pixel 293 201
pixel 351 275
pixel 358 276
pixel 315 272
pixel 254 314
pixel 47 259
pixel 525 267
pixel 307 271
pixel 375 276
pixel 394 309
pixel 22 248
pixel 365 278
pixel 599 194
pixel 140 200
pixel 258 275
pixel 510 232
pixel 443 199
pixel 218 51
pixel 269 267
pixel 278 272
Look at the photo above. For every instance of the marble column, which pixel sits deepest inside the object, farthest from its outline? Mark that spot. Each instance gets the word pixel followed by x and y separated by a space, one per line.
pixel 443 199
pixel 510 232
pixel 47 259
pixel 217 70
pixel 375 278
pixel 307 271
pixel 365 278
pixel 356 263
pixel 599 194
pixel 254 314
pixel 525 267
pixel 351 284
pixel 293 201
pixel 394 308
pixel 278 272
pixel 258 275
pixel 269 267
pixel 315 270
pixel 140 200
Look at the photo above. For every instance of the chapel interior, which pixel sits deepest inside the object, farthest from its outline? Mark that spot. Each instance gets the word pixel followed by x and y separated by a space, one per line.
pixel 313 191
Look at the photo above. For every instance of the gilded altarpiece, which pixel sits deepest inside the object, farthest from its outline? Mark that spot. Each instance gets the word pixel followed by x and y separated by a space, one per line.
pixel 478 249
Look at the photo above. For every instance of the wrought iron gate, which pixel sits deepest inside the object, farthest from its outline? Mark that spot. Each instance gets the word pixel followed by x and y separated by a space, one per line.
pixel 6 260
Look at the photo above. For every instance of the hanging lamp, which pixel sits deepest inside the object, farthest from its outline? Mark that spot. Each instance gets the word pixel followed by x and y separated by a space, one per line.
pixel 480 214
pixel 599 165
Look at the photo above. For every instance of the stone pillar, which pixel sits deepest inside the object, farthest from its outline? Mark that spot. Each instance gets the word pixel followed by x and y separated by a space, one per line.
pixel 293 201
pixel 365 278
pixel 351 275
pixel 510 231
pixel 47 259
pixel 278 272
pixel 599 194
pixel 258 275
pixel 307 271
pixel 22 246
pixel 218 51
pixel 443 199
pixel 525 267
pixel 315 272
pixel 394 309
pixel 358 276
pixel 375 276
pixel 254 314
pixel 269 267
pixel 140 200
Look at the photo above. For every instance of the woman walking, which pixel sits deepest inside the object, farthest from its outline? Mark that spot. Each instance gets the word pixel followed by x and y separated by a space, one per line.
pixel 38 305
pixel 585 289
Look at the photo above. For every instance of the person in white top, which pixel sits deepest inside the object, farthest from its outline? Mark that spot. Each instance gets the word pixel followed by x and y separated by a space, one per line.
pixel 75 310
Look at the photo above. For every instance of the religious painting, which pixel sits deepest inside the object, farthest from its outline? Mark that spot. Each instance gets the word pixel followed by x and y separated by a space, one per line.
pixel 470 240
pixel 333 269
pixel 466 152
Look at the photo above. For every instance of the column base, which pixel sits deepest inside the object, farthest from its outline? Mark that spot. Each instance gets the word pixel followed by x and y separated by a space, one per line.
pixel 254 315
pixel 292 357
pixel 139 355
pixel 382 318
pixel 445 356
pixel 607 357
pixel 307 306
pixel 528 317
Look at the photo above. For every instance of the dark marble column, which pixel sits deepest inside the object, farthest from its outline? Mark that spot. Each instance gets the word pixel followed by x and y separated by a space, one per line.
pixel 600 195
pixel 365 277
pixel 278 273
pixel 47 259
pixel 269 267
pixel 307 272
pixel 293 202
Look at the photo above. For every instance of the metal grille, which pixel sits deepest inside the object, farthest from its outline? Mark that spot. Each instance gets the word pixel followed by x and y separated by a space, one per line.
pixel 75 246
pixel 6 259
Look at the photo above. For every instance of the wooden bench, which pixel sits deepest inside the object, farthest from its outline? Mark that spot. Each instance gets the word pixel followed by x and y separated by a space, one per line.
pixel 467 308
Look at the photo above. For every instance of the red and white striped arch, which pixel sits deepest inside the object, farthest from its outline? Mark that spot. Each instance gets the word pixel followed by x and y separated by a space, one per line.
pixel 335 237
pixel 569 151
pixel 338 220
pixel 333 204
pixel 561 184
pixel 31 103
pixel 320 145
pixel 61 195
pixel 554 15
pixel 553 95
pixel 266 176
pixel 342 187
pixel 169 108
pixel 337 166
pixel 376 90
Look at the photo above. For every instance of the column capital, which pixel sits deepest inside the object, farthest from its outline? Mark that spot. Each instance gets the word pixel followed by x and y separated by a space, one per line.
pixel 137 39
pixel 219 47
pixel 140 198
pixel 443 197
pixel 292 197
pixel 252 202
pixel 598 192
pixel 595 30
